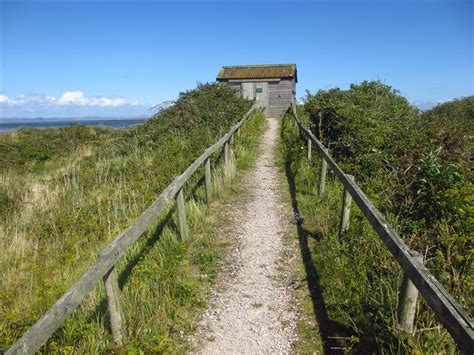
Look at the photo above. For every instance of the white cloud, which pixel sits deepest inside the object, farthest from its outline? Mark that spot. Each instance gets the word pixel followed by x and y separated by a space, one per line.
pixel 78 98
pixel 69 104
pixel 108 102
pixel 72 98
pixel 4 99
pixel 68 98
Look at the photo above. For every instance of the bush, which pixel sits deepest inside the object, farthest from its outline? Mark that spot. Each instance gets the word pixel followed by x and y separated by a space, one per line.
pixel 415 166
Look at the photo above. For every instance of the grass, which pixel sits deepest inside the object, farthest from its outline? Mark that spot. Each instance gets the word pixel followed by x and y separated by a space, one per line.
pixel 350 296
pixel 58 213
pixel 309 340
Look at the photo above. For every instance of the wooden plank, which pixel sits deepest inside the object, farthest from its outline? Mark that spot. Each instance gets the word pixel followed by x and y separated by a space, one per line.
pixel 280 99
pixel 281 96
pixel 279 88
pixel 112 292
pixel 447 310
pixel 42 330
pixel 281 106
pixel 280 102
pixel 280 84
pixel 281 93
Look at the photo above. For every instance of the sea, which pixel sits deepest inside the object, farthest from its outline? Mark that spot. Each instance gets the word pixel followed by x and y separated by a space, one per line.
pixel 9 126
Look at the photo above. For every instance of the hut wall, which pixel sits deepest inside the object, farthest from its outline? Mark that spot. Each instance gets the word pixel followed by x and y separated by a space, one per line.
pixel 280 95
pixel 275 95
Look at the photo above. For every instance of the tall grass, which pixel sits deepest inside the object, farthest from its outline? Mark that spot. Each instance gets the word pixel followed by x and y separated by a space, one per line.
pixel 354 282
pixel 58 213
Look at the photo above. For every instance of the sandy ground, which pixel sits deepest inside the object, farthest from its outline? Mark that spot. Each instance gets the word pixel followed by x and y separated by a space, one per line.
pixel 252 311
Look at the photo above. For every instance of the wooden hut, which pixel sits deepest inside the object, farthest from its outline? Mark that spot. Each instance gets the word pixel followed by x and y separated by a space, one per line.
pixel 273 86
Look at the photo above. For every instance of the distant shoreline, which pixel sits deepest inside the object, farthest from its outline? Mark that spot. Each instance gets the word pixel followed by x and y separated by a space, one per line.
pixel 8 127
pixel 72 120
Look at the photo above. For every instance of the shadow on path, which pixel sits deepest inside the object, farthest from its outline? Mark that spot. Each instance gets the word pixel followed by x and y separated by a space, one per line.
pixel 332 332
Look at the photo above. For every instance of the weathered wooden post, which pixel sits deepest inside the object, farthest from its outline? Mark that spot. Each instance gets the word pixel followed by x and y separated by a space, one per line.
pixel 293 109
pixel 231 139
pixel 183 227
pixel 207 174
pixel 226 153
pixel 322 177
pixel 407 300
pixel 309 148
pixel 112 292
pixel 346 210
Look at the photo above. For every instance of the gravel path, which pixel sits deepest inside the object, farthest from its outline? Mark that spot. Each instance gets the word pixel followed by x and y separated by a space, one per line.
pixel 252 311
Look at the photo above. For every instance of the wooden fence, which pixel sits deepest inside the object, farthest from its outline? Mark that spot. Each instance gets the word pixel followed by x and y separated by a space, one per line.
pixel 416 275
pixel 104 268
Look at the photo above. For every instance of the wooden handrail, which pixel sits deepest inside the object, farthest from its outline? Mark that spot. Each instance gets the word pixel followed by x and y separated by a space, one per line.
pixel 44 328
pixel 449 312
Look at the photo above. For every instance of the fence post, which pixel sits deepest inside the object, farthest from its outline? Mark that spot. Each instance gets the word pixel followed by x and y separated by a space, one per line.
pixel 208 176
pixel 322 176
pixel 346 210
pixel 226 153
pixel 407 300
pixel 231 140
pixel 183 227
pixel 309 149
pixel 112 293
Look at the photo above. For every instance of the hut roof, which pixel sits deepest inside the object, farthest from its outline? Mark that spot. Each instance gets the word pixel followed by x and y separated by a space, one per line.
pixel 264 71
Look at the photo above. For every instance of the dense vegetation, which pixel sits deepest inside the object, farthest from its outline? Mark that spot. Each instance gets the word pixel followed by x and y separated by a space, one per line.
pixel 415 166
pixel 65 193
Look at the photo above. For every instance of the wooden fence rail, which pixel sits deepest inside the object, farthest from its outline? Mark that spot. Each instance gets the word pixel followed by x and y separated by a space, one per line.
pixel 104 267
pixel 450 314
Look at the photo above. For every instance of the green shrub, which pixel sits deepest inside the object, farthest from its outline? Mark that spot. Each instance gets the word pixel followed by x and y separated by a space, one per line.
pixel 416 167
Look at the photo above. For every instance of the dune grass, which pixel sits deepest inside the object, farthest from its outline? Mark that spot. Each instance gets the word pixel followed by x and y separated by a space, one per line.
pixel 59 210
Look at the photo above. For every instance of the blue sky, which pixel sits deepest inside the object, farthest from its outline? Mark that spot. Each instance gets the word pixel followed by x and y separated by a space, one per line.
pixel 76 58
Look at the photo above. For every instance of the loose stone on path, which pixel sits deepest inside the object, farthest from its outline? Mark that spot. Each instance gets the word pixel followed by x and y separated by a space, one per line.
pixel 254 312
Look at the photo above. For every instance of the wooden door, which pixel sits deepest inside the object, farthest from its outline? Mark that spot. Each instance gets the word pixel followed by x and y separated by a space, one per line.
pixel 248 91
pixel 261 94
